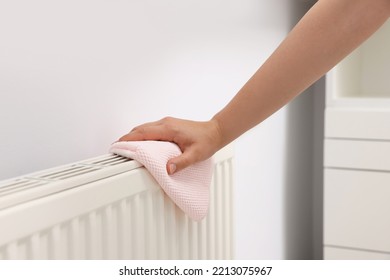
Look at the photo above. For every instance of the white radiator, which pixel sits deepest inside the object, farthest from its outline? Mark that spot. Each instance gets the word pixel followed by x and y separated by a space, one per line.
pixel 110 208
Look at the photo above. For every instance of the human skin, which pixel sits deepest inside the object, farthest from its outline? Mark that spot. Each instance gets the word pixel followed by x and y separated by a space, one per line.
pixel 328 32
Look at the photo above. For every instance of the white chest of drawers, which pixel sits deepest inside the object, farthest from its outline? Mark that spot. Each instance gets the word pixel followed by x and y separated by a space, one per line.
pixel 357 154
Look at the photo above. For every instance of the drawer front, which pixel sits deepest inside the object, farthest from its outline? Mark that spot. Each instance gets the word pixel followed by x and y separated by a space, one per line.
pixel 372 155
pixel 357 209
pixel 357 123
pixel 331 253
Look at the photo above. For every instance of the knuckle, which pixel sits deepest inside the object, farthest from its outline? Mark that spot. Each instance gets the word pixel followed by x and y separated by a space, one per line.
pixel 191 157
pixel 134 129
pixel 167 119
pixel 171 125
pixel 185 162
pixel 140 130
pixel 172 128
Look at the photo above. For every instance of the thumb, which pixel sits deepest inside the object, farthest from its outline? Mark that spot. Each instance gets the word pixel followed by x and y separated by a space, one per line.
pixel 178 163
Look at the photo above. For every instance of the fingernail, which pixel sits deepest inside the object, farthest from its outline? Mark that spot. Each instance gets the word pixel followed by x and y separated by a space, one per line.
pixel 172 168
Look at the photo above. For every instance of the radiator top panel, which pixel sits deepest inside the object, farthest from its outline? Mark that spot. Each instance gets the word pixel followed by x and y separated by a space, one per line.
pixel 31 186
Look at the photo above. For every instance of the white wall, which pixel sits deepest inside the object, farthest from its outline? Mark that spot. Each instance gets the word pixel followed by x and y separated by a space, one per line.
pixel 77 74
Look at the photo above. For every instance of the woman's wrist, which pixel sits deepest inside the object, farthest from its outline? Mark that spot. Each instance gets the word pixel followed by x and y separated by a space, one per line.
pixel 220 131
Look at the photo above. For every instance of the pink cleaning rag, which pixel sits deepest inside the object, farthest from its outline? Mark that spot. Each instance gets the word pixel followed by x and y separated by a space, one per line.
pixel 188 188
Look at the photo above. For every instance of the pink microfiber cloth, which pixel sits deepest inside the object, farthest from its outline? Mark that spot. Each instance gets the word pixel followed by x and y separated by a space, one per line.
pixel 188 188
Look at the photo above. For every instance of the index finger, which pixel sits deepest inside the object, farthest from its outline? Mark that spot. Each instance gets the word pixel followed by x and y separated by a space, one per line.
pixel 144 132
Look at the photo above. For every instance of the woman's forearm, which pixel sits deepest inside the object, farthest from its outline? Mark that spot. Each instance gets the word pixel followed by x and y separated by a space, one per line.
pixel 325 35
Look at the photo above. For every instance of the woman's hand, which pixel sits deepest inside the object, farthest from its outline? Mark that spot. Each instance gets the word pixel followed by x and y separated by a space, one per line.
pixel 326 34
pixel 197 140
